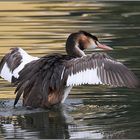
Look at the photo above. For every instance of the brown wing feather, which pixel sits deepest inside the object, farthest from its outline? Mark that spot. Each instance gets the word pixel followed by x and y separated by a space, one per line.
pixel 40 80
pixel 109 71
pixel 13 59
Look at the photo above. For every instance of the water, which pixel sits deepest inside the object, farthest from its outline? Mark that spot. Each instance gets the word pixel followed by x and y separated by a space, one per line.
pixel 41 27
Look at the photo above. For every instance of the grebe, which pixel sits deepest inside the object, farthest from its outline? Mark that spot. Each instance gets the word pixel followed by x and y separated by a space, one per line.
pixel 47 81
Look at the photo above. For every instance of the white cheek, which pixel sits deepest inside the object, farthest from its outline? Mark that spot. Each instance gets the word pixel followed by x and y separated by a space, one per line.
pixel 93 45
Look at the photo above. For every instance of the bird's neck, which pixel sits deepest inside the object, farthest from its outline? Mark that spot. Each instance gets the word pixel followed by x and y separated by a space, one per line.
pixel 73 48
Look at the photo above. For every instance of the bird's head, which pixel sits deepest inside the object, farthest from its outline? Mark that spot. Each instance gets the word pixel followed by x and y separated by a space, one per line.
pixel 79 41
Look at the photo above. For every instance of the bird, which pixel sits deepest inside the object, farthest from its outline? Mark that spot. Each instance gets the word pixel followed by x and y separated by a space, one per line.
pixel 47 81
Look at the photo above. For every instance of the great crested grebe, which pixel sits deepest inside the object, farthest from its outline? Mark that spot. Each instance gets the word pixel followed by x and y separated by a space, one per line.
pixel 47 81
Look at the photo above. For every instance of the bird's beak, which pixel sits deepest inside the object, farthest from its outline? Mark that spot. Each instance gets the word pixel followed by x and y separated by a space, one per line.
pixel 104 47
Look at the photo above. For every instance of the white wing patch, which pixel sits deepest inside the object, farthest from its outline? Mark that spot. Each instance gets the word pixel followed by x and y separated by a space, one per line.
pixel 6 73
pixel 26 58
pixel 88 76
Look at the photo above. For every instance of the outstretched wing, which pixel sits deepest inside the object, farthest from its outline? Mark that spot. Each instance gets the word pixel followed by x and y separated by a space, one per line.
pixel 13 62
pixel 98 68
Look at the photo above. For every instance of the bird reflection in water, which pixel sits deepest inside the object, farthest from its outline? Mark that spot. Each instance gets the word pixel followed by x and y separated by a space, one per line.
pixel 48 124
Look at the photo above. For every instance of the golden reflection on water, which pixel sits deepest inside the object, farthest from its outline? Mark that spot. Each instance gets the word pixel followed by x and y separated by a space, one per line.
pixel 36 23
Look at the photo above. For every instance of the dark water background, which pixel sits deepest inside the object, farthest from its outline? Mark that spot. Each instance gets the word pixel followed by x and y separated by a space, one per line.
pixel 41 27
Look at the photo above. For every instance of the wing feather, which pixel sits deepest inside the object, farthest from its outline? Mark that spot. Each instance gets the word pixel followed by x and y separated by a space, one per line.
pixel 99 68
pixel 39 79
pixel 13 62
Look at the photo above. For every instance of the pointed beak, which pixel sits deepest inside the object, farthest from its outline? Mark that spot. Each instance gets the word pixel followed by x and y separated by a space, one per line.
pixel 104 47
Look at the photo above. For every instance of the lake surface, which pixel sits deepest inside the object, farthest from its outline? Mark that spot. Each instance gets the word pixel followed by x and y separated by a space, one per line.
pixel 41 27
